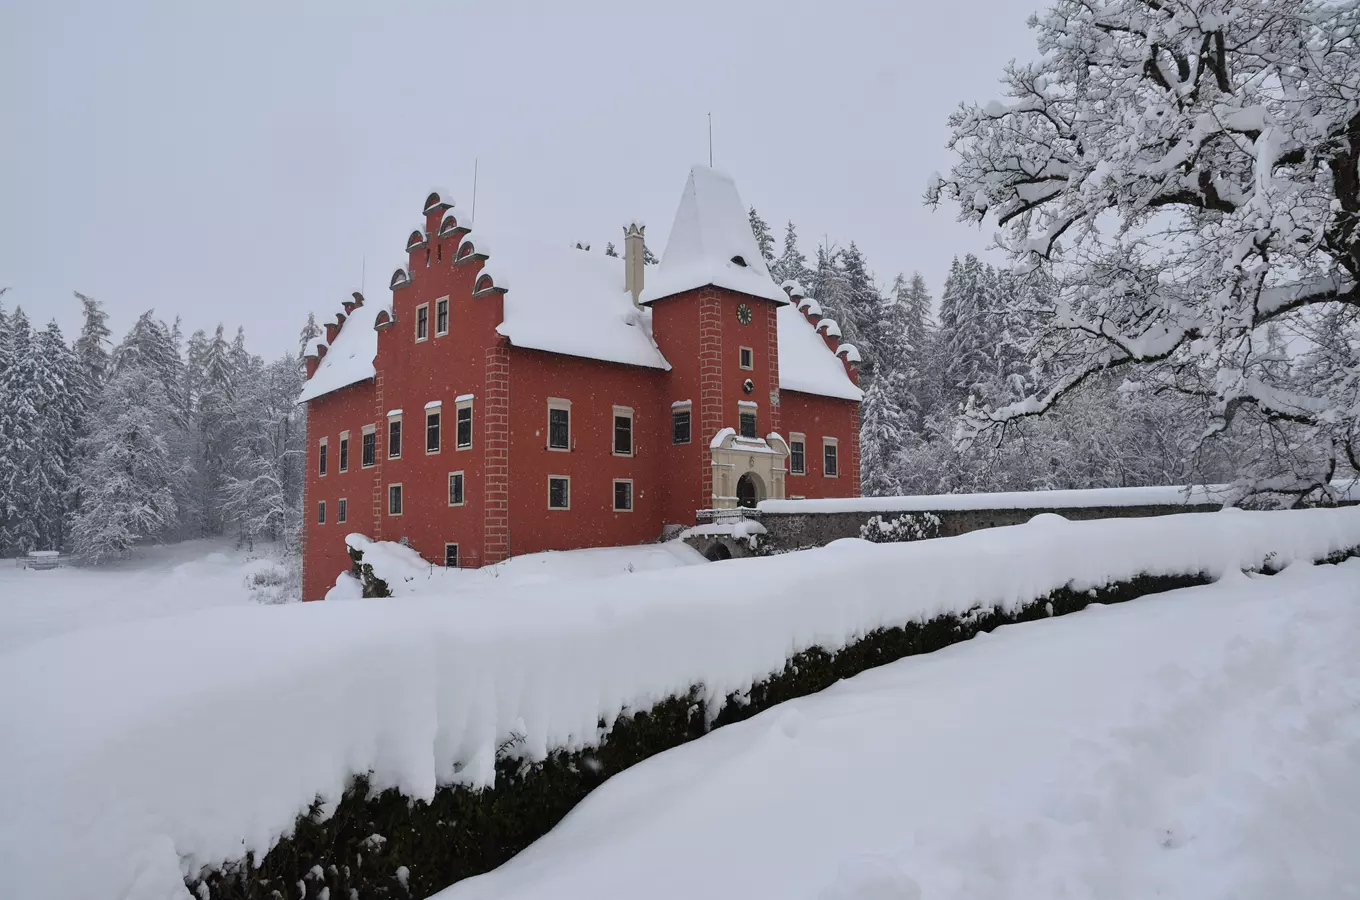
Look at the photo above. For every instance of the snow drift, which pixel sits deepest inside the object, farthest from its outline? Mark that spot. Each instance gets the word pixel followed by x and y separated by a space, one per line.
pixel 135 754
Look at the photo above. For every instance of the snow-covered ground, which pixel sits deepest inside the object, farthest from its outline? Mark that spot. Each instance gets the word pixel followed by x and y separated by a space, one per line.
pixel 409 574
pixel 136 752
pixel 158 581
pixel 1199 744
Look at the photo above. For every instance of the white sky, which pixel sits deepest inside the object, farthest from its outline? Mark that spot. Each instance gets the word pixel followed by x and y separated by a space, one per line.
pixel 239 162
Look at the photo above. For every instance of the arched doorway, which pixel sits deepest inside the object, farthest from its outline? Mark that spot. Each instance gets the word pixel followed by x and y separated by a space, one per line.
pixel 749 491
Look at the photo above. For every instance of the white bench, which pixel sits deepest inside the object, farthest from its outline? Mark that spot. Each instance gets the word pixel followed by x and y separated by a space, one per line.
pixel 42 559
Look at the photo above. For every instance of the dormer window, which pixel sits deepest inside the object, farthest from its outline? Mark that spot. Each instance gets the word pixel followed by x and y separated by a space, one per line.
pixel 737 260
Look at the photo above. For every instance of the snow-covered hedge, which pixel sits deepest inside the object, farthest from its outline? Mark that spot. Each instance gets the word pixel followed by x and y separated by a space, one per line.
pixel 134 756
pixel 906 527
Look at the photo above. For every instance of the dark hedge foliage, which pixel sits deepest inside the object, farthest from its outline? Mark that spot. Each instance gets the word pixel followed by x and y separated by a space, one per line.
pixel 466 832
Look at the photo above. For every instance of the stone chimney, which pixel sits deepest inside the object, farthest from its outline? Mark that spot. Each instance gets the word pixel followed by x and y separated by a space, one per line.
pixel 633 269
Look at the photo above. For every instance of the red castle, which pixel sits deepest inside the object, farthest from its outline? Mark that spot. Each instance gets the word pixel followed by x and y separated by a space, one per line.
pixel 515 398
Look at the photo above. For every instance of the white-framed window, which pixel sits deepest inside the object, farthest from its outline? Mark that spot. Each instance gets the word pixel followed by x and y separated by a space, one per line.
pixel 680 424
pixel 344 451
pixel 746 419
pixel 422 322
pixel 623 431
pixel 321 513
pixel 797 454
pixel 394 437
pixel 559 492
pixel 322 453
pixel 394 498
pixel 463 430
pixel 368 452
pixel 450 556
pixel 830 457
pixel 746 358
pixel 441 316
pixel 455 489
pixel 559 424
pixel 342 510
pixel 433 429
pixel 623 495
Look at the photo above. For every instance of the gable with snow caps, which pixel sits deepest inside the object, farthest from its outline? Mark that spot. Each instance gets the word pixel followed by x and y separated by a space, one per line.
pixel 349 358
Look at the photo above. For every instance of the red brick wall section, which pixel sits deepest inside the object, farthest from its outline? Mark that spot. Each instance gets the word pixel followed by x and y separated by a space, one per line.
pixel 817 417
pixel 324 555
pixel 710 398
pixel 593 388
pixel 771 396
pixel 496 465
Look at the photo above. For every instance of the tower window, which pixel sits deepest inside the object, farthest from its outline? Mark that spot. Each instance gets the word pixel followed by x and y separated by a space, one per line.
pixel 746 358
pixel 739 261
pixel 747 419
pixel 680 426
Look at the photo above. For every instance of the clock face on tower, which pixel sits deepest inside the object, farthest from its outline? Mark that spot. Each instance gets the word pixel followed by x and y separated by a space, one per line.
pixel 744 314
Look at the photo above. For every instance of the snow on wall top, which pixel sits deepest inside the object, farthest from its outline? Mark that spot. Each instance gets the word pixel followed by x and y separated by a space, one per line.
pixel 806 363
pixel 1171 495
pixel 570 301
pixel 711 229
pixel 350 359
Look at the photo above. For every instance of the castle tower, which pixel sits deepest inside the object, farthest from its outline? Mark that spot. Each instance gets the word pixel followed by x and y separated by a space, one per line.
pixel 714 307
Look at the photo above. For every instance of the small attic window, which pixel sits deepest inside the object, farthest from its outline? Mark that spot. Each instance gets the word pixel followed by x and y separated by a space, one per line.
pixel 739 261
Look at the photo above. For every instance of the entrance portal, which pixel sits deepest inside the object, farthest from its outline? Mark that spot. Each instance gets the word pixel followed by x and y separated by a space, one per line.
pixel 748 491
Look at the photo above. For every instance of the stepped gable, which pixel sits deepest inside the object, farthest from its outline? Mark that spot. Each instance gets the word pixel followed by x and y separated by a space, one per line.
pixel 811 358
pixel 346 356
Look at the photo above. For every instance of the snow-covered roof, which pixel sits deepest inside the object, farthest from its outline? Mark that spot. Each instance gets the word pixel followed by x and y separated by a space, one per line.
pixel 350 359
pixel 570 301
pixel 711 230
pixel 563 300
pixel 806 363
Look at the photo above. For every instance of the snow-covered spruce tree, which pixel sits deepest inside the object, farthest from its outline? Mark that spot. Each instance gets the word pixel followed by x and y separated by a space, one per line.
pixel 764 239
pixel 311 331
pixel 49 470
pixel 1221 139
pixel 19 414
pixel 92 347
pixel 129 473
pixel 265 481
pixel 791 264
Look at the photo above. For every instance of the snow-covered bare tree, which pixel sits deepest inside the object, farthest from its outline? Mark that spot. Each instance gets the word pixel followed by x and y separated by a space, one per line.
pixel 1189 171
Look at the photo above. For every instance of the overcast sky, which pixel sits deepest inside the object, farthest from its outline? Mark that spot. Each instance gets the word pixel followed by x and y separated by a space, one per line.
pixel 239 162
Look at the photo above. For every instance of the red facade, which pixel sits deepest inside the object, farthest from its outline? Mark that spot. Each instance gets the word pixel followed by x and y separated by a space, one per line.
pixel 506 462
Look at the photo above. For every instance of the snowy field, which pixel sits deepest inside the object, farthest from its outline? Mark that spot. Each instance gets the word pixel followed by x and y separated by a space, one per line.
pixel 159 581
pixel 1199 744
pixel 141 750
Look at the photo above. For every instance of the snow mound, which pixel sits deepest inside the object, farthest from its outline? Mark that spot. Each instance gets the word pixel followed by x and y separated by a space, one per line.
pixel 1198 744
pixel 134 754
